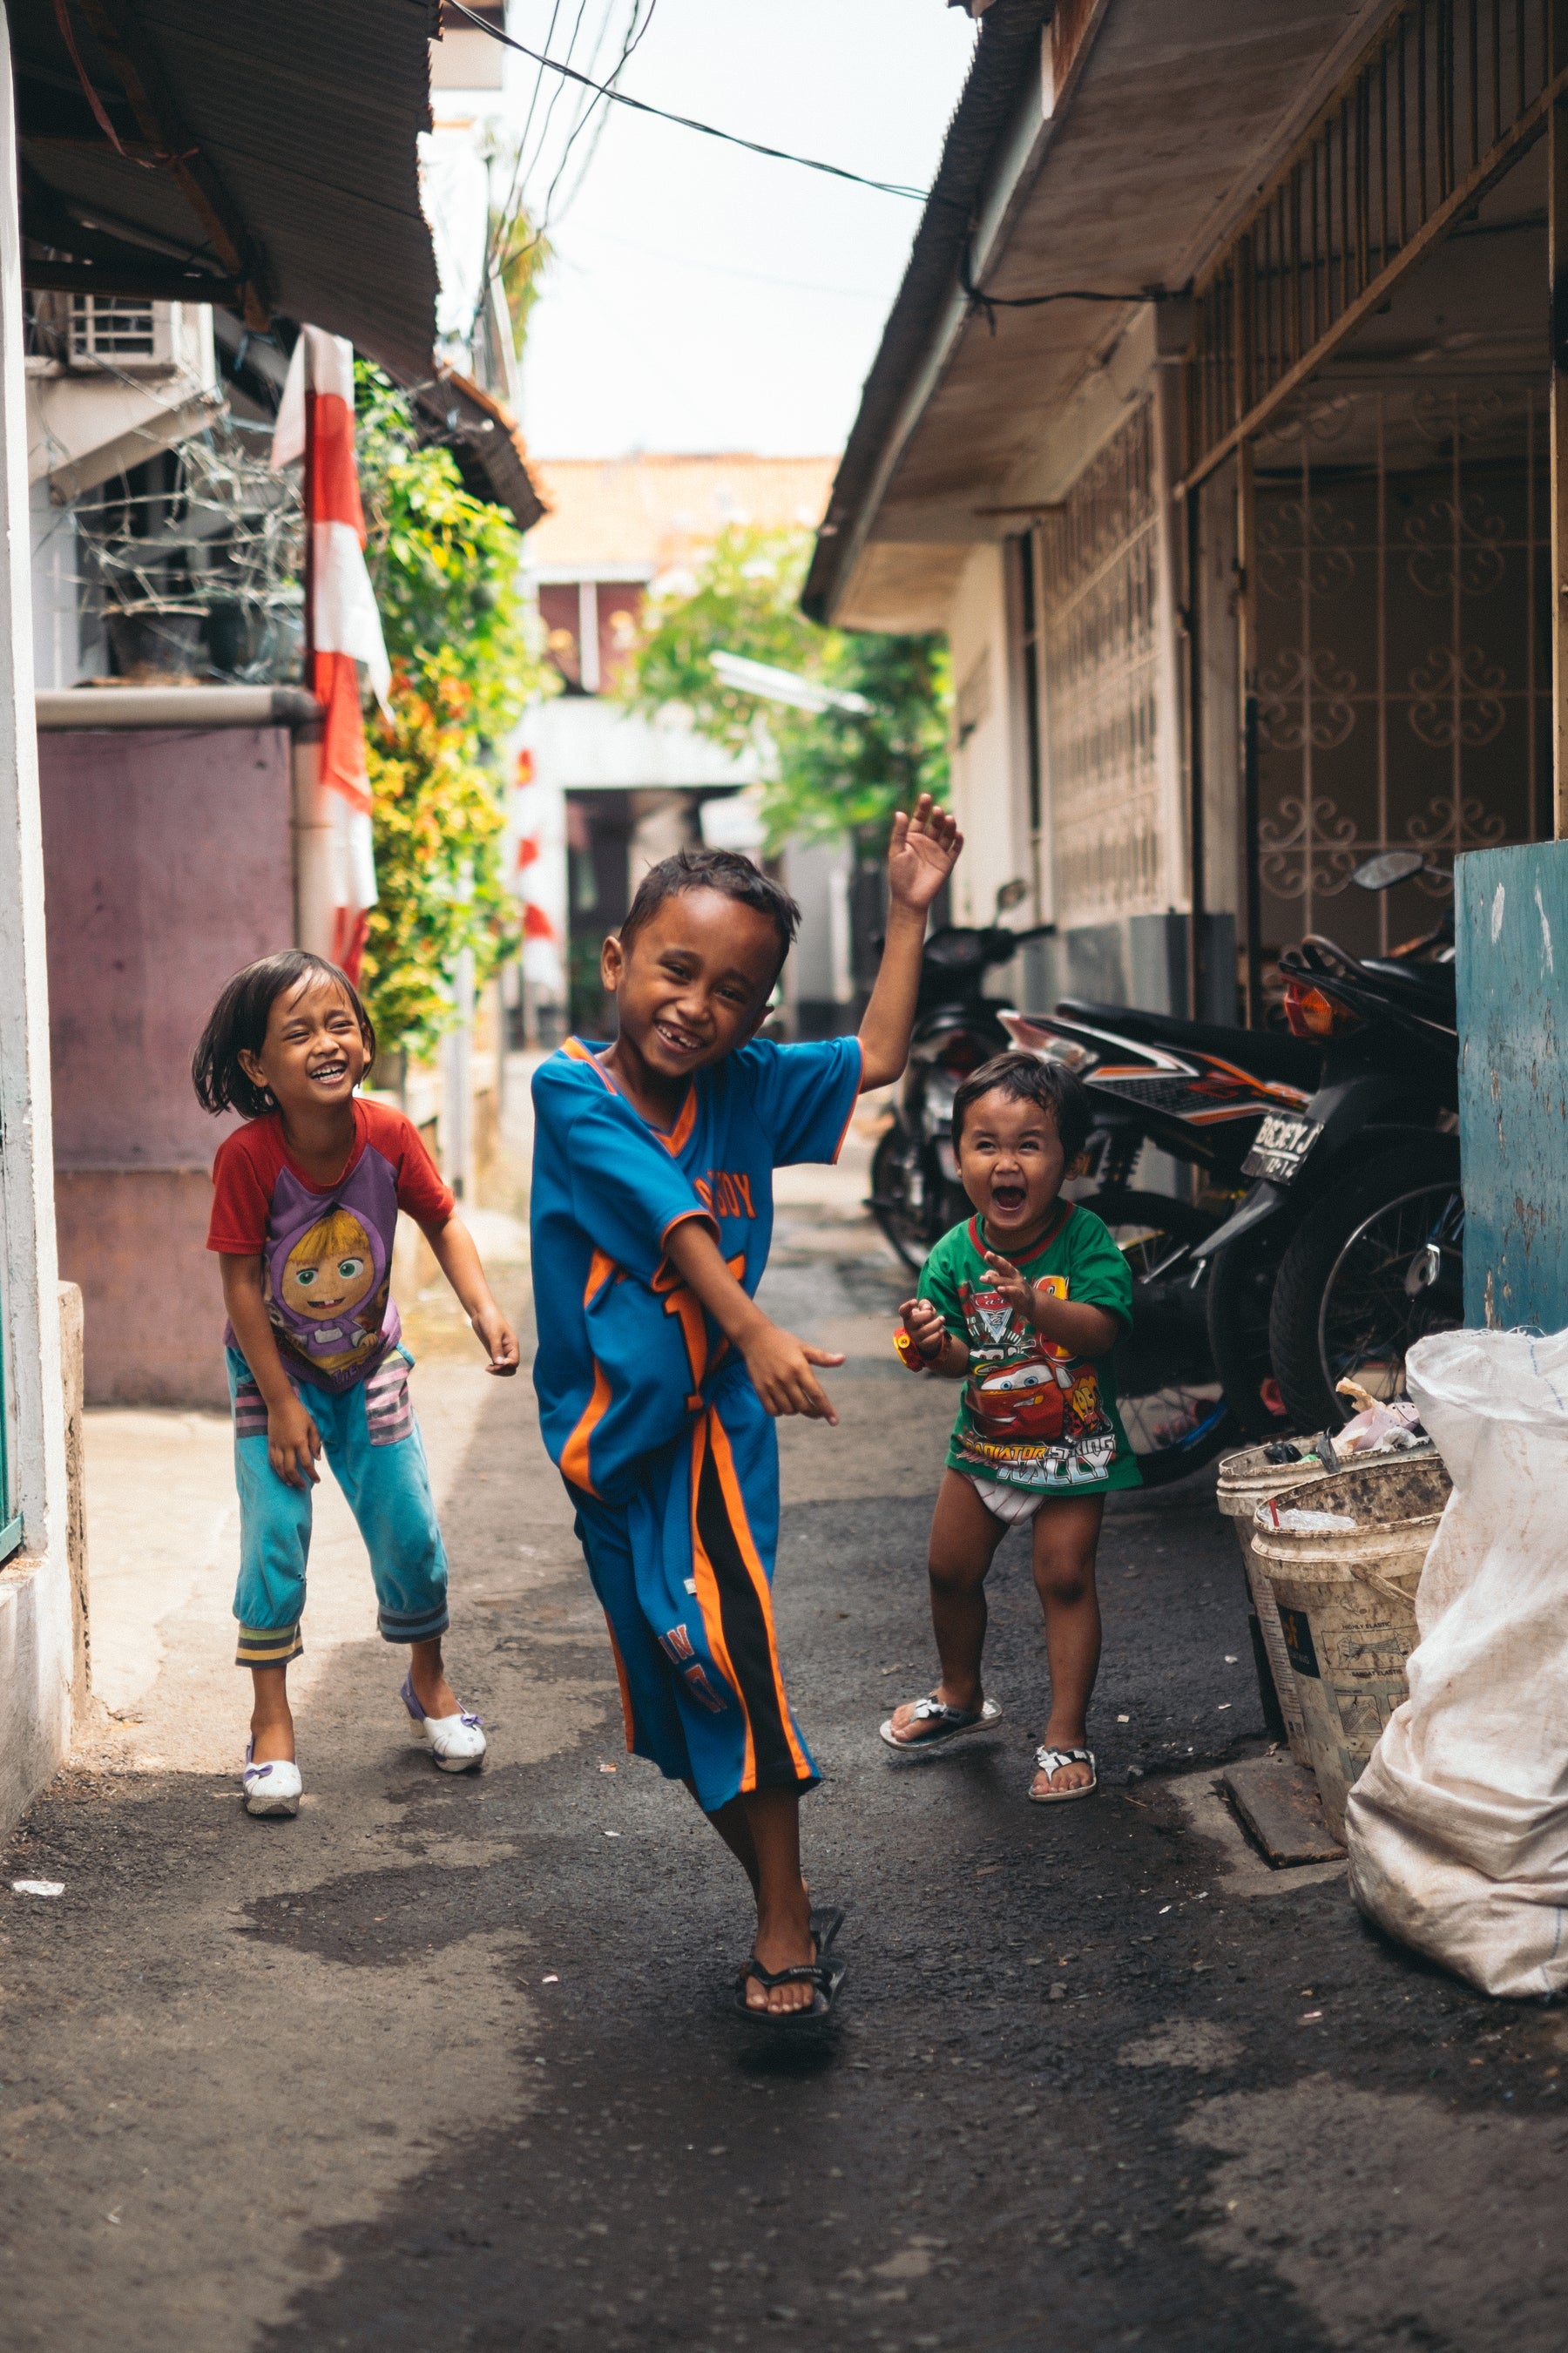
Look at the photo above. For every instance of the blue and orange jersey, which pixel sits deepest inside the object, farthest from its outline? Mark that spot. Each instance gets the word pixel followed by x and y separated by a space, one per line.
pixel 627 1355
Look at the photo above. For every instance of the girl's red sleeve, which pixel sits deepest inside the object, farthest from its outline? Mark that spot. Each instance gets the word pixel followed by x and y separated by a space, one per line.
pixel 422 1190
pixel 244 1174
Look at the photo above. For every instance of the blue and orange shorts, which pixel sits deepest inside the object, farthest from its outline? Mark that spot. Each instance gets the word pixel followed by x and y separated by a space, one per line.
pixel 684 1574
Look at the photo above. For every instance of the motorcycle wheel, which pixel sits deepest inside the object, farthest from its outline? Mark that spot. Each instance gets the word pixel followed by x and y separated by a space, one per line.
pixel 901 1189
pixel 1378 1265
pixel 1173 1406
pixel 1240 1292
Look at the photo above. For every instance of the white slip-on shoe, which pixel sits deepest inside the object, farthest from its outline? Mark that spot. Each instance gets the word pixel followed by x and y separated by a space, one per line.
pixel 272 1788
pixel 457 1743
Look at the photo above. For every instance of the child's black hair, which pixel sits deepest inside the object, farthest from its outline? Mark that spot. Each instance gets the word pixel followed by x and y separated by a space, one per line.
pixel 238 1024
pixel 1026 1079
pixel 713 870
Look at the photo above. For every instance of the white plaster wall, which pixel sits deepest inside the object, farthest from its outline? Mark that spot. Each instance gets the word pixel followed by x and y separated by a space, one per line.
pixel 56 634
pixel 985 784
pixel 34 1587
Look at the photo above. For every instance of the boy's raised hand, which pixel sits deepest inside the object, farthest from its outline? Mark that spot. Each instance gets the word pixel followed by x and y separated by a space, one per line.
pixel 922 854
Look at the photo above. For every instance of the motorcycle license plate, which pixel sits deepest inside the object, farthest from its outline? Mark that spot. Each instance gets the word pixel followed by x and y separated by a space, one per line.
pixel 1280 1147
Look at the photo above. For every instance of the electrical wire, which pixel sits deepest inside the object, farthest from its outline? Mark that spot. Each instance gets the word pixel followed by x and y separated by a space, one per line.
pixel 686 122
pixel 585 115
pixel 989 305
pixel 634 43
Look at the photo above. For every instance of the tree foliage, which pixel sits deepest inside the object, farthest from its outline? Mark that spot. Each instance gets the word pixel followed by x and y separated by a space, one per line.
pixel 826 773
pixel 445 567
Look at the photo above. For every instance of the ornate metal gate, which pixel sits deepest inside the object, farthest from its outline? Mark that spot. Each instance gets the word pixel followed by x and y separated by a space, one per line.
pixel 1403 660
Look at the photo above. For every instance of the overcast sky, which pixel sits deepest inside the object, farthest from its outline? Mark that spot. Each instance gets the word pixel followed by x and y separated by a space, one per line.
pixel 701 297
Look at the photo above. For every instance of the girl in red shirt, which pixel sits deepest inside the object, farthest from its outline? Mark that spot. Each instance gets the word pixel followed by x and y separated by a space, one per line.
pixel 305 1204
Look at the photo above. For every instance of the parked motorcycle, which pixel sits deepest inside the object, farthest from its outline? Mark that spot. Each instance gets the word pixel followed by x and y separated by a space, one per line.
pixel 1349 1246
pixel 915 1193
pixel 1199 1093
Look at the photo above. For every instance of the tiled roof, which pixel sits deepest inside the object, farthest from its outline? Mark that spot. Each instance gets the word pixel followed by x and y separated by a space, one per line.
pixel 656 513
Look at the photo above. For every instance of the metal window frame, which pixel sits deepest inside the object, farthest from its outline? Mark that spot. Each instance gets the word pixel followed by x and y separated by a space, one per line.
pixel 1392 161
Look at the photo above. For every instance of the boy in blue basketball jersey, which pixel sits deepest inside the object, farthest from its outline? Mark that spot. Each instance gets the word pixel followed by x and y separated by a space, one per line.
pixel 658 1375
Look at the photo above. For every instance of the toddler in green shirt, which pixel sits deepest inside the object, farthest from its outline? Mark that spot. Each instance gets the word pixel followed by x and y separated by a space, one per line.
pixel 1023 1304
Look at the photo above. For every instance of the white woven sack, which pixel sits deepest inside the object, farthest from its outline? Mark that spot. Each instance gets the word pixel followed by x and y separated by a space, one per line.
pixel 1458 1830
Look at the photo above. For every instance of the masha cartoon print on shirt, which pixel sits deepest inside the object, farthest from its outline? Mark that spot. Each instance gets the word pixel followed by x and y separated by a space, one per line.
pixel 330 1300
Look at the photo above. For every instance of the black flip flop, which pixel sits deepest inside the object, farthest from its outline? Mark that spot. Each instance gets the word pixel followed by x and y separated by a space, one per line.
pixel 825 1975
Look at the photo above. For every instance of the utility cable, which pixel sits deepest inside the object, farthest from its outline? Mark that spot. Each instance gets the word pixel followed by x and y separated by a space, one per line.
pixel 589 111
pixel 989 305
pixel 685 122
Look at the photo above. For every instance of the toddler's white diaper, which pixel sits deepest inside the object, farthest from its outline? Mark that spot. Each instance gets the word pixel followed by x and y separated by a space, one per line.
pixel 1013 1504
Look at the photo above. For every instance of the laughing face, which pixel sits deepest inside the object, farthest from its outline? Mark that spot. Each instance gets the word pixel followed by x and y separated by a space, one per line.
pixel 314 1053
pixel 1011 1160
pixel 689 988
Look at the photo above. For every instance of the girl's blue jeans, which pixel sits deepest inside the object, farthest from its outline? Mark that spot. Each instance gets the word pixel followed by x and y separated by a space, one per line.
pixel 372 1442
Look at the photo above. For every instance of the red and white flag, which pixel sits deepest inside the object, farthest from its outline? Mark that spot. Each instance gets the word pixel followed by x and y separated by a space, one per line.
pixel 343 628
pixel 539 816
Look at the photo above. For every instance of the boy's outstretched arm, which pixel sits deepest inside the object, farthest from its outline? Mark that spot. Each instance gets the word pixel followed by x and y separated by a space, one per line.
pixel 921 857
pixel 780 1365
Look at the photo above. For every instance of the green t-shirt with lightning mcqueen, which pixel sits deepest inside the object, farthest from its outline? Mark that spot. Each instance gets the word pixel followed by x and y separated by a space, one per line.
pixel 1031 1415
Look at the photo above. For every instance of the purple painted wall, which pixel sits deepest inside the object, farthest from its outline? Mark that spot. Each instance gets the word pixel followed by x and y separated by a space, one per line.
pixel 167 866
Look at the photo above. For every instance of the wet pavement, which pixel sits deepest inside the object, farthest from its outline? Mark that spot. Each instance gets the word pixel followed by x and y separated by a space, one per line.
pixel 452 2060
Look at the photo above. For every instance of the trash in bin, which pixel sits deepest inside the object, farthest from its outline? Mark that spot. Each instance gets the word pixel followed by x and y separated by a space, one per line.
pixel 1457 1831
pixel 1344 1579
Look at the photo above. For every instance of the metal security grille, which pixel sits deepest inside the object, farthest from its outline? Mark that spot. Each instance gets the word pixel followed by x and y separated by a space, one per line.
pixel 1101 597
pixel 1404 668
pixel 1442 102
pixel 112 327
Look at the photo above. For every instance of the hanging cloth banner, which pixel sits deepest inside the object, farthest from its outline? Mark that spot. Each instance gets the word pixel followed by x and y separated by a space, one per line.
pixel 343 627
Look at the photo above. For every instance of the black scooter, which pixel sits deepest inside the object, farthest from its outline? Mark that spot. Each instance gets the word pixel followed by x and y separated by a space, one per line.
pixel 1349 1246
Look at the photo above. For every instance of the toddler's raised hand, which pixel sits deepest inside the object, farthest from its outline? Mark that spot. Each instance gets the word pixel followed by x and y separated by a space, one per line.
pixel 923 1322
pixel 1015 1288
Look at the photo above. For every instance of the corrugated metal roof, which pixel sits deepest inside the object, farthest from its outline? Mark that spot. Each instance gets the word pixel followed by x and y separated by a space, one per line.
pixel 1006 54
pixel 487 442
pixel 300 116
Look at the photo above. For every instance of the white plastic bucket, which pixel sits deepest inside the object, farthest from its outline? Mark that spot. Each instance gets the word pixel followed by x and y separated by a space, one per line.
pixel 1345 1594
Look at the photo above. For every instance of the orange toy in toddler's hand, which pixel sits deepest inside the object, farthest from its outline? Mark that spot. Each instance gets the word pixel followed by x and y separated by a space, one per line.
pixel 922 1339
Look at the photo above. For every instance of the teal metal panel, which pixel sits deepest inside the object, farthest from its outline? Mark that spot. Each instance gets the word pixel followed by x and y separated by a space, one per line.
pixel 1511 930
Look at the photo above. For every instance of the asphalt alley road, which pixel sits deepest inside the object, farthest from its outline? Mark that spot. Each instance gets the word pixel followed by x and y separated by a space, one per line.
pixel 451 2061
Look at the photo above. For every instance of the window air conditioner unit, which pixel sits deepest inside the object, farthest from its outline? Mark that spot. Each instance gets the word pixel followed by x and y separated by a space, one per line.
pixel 122 332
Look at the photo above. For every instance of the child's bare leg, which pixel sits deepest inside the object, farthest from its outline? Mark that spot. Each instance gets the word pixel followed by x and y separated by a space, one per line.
pixel 763 1832
pixel 732 1827
pixel 426 1673
pixel 963 1540
pixel 1067 1535
pixel 272 1725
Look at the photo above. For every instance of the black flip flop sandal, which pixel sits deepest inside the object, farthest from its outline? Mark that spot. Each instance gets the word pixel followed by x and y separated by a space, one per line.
pixel 825 1973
